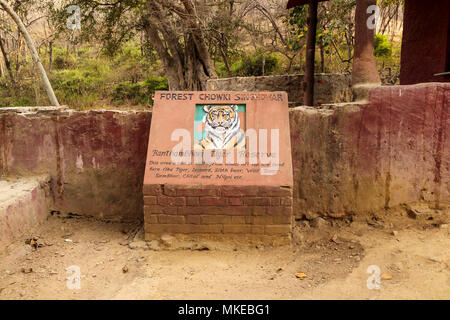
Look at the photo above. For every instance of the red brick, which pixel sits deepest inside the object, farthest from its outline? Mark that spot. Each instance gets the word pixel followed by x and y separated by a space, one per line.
pixel 170 219
pixel 262 201
pixel 277 229
pixel 152 209
pixel 239 219
pixel 279 211
pixel 192 191
pixel 235 191
pixel 148 200
pixel 235 201
pixel 152 189
pixel 259 211
pixel 202 210
pixel 237 228
pixel 213 201
pixel 275 201
pixel 283 219
pixel 171 201
pixel 249 201
pixel 275 191
pixel 192 201
pixel 238 211
pixel 257 229
pixel 193 219
pixel 170 190
pixel 260 220
pixel 151 218
pixel 286 201
pixel 216 219
pixel 210 228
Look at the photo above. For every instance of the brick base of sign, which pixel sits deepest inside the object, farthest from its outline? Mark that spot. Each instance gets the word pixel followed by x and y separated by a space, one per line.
pixel 218 210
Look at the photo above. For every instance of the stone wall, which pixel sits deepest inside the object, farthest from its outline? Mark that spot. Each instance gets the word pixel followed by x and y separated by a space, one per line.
pixel 329 88
pixel 347 159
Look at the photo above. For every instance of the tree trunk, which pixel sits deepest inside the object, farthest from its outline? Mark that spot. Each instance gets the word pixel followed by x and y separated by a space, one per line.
pixel 187 62
pixel 7 62
pixel 310 53
pixel 18 21
pixel 322 58
pixel 50 56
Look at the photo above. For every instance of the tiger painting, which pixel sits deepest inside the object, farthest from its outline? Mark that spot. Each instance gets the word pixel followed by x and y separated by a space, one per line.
pixel 222 128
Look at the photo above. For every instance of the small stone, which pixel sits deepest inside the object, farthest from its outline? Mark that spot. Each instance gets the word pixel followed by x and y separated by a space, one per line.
pixel 153 245
pixel 140 259
pixel 167 240
pixel 435 259
pixel 318 223
pixel 394 233
pixel 124 242
pixel 68 240
pixel 205 247
pixel 27 270
pixel 334 239
pixel 94 275
pixel 443 226
pixel 140 245
pixel 125 269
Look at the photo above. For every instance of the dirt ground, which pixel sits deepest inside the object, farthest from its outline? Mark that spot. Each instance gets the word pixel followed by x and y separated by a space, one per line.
pixel 333 256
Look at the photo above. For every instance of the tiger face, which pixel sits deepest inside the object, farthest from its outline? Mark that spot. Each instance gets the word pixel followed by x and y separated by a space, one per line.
pixel 221 118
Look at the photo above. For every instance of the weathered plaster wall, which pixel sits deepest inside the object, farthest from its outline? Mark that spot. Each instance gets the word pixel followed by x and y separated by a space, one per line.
pixel 361 158
pixel 348 159
pixel 96 159
pixel 329 88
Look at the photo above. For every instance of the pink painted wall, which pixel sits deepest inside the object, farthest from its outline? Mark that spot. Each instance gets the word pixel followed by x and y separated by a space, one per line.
pixel 362 158
pixel 96 159
pixel 347 160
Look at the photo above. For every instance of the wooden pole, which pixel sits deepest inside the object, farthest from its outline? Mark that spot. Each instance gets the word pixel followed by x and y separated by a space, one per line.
pixel 310 53
pixel 34 54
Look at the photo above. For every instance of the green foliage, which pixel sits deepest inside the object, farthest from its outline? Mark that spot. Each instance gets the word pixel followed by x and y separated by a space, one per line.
pixel 139 93
pixel 296 22
pixel 62 59
pixel 253 65
pixel 382 47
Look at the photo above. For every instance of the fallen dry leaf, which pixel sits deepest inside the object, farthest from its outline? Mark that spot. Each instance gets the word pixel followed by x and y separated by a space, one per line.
pixel 301 275
pixel 386 276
